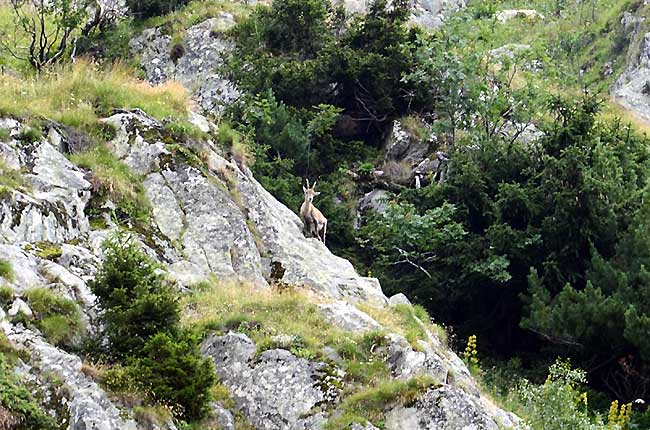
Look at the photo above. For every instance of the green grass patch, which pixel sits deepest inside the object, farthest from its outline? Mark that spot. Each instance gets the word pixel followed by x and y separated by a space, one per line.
pixel 5 135
pixel 571 46
pixel 6 271
pixel 58 318
pixel 6 295
pixel 263 314
pixel 113 180
pixel 412 322
pixel 78 95
pixel 48 250
pixel 195 12
pixel 372 404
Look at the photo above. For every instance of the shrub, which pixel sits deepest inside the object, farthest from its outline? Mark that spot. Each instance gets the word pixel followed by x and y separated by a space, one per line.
pixel 559 403
pixel 18 408
pixel 137 303
pixel 172 371
pixel 5 135
pixel 58 318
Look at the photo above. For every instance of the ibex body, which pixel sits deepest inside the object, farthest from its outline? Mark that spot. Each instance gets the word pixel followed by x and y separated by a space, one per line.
pixel 313 219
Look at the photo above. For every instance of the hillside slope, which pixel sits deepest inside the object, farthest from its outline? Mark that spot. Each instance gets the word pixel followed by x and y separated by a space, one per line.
pixel 211 220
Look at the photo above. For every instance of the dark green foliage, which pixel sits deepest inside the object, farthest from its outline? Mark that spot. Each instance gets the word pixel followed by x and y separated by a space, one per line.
pixel 18 408
pixel 172 370
pixel 142 9
pixel 570 207
pixel 308 54
pixel 137 303
pixel 141 323
pixel 57 317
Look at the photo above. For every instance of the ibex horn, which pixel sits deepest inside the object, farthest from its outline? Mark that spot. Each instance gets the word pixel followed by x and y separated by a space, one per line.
pixel 307 180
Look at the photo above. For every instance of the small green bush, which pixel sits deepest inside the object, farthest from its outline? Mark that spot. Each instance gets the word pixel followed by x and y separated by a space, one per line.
pixel 6 271
pixel 48 250
pixel 172 371
pixel 18 407
pixel 58 318
pixel 559 403
pixel 137 303
pixel 113 180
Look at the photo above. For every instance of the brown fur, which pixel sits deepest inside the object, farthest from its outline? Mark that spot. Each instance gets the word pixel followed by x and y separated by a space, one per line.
pixel 313 219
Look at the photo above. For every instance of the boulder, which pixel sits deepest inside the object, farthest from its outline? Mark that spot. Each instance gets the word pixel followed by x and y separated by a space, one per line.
pixel 348 317
pixel 444 408
pixel 19 307
pixel 203 49
pixel 222 416
pixel 276 391
pixel 399 299
pixel 87 406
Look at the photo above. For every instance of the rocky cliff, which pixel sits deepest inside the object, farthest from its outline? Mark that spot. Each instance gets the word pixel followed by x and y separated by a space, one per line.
pixel 209 218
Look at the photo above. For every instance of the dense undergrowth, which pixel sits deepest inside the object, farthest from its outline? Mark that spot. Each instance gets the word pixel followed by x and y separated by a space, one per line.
pixel 538 247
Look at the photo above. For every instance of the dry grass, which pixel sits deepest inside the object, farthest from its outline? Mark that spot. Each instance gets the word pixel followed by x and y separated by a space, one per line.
pixel 614 110
pixel 8 420
pixel 78 95
pixel 398 172
pixel 262 314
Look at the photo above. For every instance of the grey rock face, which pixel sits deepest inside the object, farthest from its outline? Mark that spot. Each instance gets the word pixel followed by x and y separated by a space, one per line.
pixel 405 363
pixel 403 146
pixel 444 408
pixel 399 299
pixel 632 88
pixel 88 406
pixel 348 317
pixel 426 13
pixel 278 390
pixel 373 201
pixel 204 48
pixel 50 208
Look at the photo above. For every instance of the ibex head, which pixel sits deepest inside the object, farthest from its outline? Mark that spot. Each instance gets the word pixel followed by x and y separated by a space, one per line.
pixel 310 192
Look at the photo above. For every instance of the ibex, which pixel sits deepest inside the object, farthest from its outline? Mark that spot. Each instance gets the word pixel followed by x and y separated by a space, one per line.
pixel 315 222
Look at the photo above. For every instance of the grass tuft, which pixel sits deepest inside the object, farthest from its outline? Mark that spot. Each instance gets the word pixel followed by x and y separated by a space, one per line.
pixel 6 271
pixel 78 95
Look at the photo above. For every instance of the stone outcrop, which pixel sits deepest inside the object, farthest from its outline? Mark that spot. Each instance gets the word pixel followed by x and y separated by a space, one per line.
pixel 209 217
pixel 632 88
pixel 203 50
pixel 426 13
pixel 277 390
